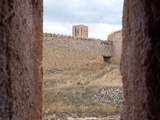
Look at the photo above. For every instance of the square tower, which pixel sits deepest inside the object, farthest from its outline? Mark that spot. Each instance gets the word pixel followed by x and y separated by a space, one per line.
pixel 80 31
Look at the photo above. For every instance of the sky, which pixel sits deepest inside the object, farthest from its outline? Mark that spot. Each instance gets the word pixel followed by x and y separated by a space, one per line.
pixel 101 16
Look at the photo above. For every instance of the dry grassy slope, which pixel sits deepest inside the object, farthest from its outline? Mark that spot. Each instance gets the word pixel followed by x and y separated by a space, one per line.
pixel 77 81
pixel 76 90
pixel 91 75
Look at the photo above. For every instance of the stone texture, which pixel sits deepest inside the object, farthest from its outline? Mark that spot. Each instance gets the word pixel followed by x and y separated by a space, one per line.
pixel 141 60
pixel 80 31
pixel 20 59
pixel 116 39
pixel 68 52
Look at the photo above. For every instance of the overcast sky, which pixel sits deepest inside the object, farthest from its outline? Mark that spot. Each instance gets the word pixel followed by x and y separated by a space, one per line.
pixel 102 16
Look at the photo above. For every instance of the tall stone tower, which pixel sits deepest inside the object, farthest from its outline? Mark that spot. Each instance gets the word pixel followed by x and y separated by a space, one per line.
pixel 80 31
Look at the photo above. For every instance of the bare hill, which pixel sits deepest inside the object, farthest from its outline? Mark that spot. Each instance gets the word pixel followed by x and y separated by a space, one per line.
pixel 91 91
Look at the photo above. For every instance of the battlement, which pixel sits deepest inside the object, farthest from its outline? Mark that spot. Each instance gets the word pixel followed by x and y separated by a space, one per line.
pixel 76 52
pixel 53 36
pixel 79 32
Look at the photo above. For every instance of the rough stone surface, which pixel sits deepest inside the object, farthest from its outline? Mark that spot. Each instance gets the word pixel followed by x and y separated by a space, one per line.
pixel 20 59
pixel 140 60
pixel 80 31
pixel 69 52
pixel 110 95
pixel 116 39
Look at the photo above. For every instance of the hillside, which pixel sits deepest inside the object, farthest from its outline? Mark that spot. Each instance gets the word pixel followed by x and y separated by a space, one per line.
pixel 94 90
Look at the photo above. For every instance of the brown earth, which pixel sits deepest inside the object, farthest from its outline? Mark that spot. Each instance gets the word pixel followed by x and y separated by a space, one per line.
pixel 94 90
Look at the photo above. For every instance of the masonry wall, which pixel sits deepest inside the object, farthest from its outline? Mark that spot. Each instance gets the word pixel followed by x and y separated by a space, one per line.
pixel 141 60
pixel 20 59
pixel 67 52
pixel 116 39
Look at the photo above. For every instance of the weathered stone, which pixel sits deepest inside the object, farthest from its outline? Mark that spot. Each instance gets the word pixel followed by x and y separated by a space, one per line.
pixel 116 39
pixel 80 31
pixel 68 52
pixel 141 60
pixel 20 59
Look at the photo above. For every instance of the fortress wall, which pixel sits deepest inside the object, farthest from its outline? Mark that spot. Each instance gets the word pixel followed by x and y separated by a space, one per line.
pixel 116 39
pixel 67 52
pixel 50 36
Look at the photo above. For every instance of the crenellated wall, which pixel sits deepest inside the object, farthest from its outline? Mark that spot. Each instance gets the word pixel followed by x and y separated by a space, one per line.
pixel 67 52
pixel 50 36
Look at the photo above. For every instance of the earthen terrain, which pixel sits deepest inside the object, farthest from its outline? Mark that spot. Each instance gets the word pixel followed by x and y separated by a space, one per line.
pixel 78 81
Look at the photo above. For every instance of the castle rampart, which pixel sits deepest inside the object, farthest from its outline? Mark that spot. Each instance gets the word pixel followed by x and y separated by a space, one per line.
pixel 50 36
pixel 62 51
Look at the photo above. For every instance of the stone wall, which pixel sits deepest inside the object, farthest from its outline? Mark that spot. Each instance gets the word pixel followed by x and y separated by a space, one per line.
pixel 50 36
pixel 116 39
pixel 141 60
pixel 68 52
pixel 20 59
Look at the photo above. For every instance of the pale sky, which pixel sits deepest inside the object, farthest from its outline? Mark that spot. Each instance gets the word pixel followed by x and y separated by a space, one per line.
pixel 101 16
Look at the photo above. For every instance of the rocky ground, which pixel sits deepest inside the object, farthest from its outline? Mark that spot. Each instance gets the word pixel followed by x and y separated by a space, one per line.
pixel 111 117
pixel 91 93
pixel 109 95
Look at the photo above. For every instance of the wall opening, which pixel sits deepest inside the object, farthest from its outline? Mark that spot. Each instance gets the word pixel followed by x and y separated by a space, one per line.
pixel 21 95
pixel 80 78
pixel 107 59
